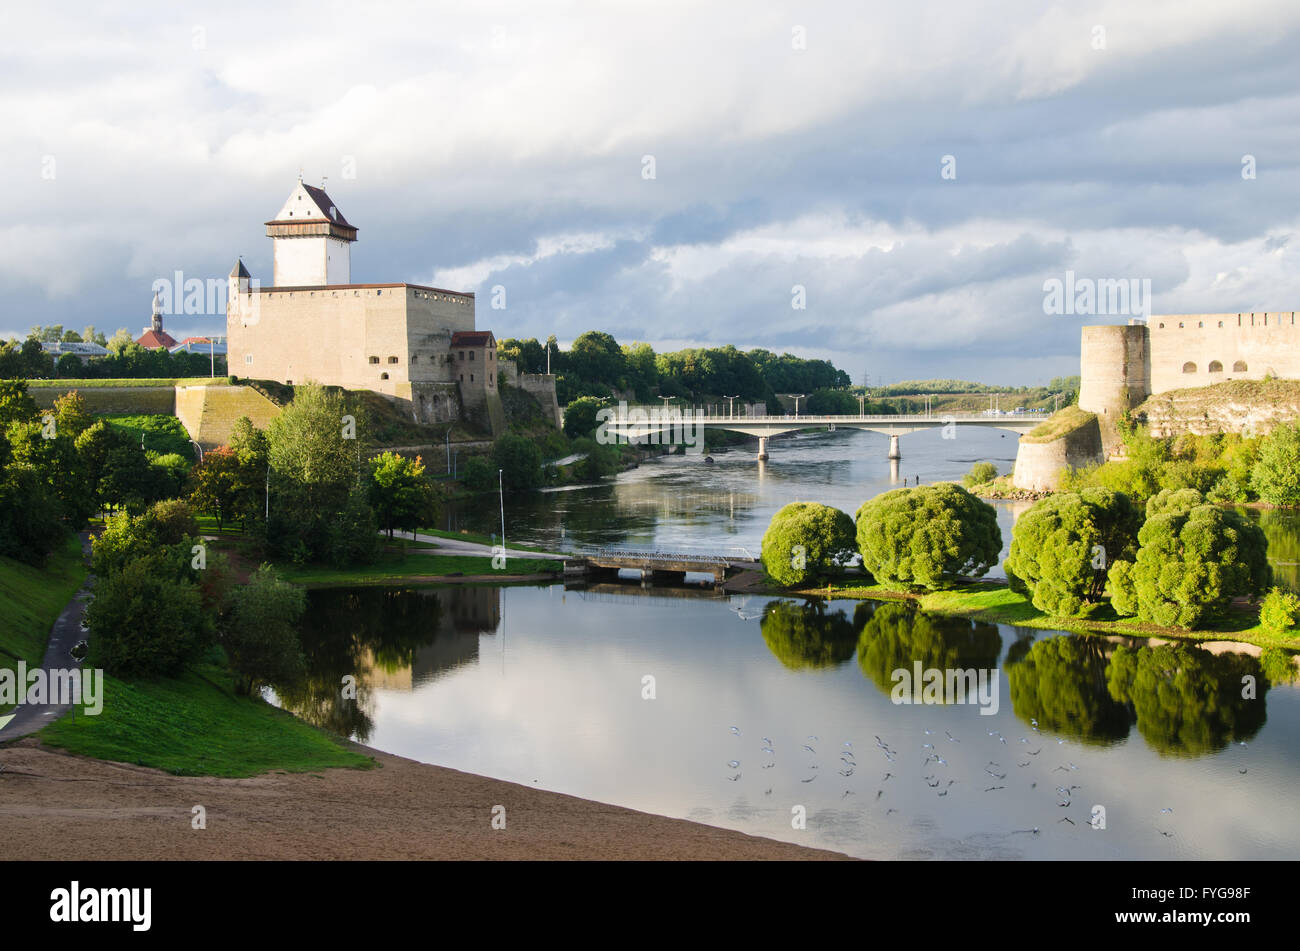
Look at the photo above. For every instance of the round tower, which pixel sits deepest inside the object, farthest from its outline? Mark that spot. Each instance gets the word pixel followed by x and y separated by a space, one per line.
pixel 1114 369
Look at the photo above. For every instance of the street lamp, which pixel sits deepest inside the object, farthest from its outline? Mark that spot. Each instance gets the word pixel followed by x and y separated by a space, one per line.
pixel 731 405
pixel 199 448
pixel 862 405
pixel 502 491
pixel 797 398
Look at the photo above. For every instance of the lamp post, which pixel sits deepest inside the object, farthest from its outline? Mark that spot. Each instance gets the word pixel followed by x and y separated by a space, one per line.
pixel 731 405
pixel 199 448
pixel 862 405
pixel 797 398
pixel 501 490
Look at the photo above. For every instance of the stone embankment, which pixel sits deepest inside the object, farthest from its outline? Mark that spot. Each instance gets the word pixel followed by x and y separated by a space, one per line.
pixel 1249 407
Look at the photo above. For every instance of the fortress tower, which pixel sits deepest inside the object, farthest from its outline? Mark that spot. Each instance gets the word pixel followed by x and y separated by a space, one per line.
pixel 312 240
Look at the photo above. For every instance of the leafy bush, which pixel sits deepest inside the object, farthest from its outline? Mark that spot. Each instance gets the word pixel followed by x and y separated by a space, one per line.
pixel 519 460
pixel 260 631
pixel 804 540
pixel 1279 612
pixel 1190 565
pixel 1276 476
pixel 979 474
pixel 928 536
pixel 478 474
pixel 1061 547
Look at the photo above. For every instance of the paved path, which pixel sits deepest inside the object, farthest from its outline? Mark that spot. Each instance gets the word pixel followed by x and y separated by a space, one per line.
pixel 28 718
pixel 455 546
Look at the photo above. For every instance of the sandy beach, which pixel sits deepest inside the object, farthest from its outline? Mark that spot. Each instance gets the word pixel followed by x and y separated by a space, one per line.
pixel 54 806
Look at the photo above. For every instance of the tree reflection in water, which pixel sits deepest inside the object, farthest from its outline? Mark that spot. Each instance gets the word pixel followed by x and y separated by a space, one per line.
pixel 895 636
pixel 803 635
pixel 1061 683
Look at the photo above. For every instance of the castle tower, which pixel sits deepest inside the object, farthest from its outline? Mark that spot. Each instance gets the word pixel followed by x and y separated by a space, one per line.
pixel 312 240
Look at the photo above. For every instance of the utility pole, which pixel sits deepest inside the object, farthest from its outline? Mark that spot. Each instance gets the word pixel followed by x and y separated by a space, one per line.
pixel 502 491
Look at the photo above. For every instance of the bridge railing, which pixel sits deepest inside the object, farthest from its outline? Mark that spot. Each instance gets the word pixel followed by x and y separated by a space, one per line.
pixel 660 556
pixel 655 415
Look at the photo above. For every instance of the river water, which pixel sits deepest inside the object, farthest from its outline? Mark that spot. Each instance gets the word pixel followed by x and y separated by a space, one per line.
pixel 754 712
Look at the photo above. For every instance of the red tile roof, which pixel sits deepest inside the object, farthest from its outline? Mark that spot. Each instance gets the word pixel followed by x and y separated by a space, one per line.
pixel 153 339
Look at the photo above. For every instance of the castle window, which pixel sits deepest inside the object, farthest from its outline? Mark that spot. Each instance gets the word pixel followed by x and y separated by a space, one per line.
pixel 1239 366
pixel 374 359
pixel 1162 326
pixel 1189 367
pixel 392 359
pixel 491 378
pixel 462 378
pixel 471 356
pixel 1180 325
pixel 248 358
pixel 1200 323
pixel 414 359
pixel 462 354
pixel 471 377
pixel 383 376
pixel 1216 366
pixel 1220 323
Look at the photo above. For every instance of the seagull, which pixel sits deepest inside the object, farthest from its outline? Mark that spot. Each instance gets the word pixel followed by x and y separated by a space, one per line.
pixel 887 775
pixel 1002 739
pixel 848 745
pixel 736 730
pixel 809 748
pixel 1034 752
pixel 766 740
pixel 929 732
pixel 1061 768
pixel 847 793
pixel 888 811
pixel 1242 743
pixel 846 773
pixel 951 738
pixel 933 784
pixel 991 788
pixel 927 746
pixel 994 733
pixel 768 749
pixel 1164 833
pixel 1065 819
pixel 941 760
pixel 879 793
pixel 733 778
pixel 1025 763
pixel 768 793
pixel 944 793
pixel 767 765
pixel 1072 766
pixel 1242 771
pixel 808 780
pixel 735 763
pixel 1033 721
pixel 1167 809
pixel 813 738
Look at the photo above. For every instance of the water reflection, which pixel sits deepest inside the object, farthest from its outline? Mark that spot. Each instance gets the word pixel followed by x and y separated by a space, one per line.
pixel 897 636
pixel 1060 683
pixel 806 635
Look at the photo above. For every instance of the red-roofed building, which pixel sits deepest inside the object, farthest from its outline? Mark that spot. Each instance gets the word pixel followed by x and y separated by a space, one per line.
pixel 474 355
pixel 154 336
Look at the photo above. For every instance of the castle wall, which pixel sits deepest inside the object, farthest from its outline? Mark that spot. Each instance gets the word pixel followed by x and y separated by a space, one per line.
pixel 542 387
pixel 332 334
pixel 1039 466
pixel 209 412
pixel 1200 349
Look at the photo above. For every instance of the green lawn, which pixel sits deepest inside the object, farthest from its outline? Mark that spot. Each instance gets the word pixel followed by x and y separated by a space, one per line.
pixel 195 725
pixel 143 381
pixel 30 601
pixel 162 434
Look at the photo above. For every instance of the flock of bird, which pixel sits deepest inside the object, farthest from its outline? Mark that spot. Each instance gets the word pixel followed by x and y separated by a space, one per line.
pixel 995 776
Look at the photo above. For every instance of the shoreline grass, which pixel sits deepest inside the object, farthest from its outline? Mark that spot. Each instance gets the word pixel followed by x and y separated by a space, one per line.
pixel 196 725
pixel 996 603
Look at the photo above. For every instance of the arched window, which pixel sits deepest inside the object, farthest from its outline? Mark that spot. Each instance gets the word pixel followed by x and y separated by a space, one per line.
pixel 383 376
pixel 1239 366
pixel 1200 323
pixel 1189 367
pixel 1220 323
pixel 1216 366
pixel 1162 326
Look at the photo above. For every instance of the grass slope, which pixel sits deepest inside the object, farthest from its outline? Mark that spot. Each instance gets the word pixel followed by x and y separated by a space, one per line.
pixel 30 601
pixel 162 434
pixel 195 725
pixel 1066 421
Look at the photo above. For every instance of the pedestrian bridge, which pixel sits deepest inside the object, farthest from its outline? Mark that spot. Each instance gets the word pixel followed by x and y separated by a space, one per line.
pixel 657 425
pixel 653 565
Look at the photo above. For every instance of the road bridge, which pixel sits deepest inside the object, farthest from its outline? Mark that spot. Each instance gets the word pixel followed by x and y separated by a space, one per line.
pixel 659 425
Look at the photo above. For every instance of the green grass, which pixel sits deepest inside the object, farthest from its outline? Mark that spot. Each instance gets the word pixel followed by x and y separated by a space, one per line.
pixel 195 725
pixel 31 599
pixel 393 567
pixel 144 381
pixel 1066 421
pixel 998 604
pixel 162 434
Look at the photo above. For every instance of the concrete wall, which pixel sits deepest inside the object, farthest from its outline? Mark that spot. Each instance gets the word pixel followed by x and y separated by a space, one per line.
pixel 1200 349
pixel 209 412
pixel 542 388
pixel 113 400
pixel 1039 466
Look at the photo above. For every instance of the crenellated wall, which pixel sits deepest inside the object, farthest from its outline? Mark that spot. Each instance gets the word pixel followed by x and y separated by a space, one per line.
pixel 1201 349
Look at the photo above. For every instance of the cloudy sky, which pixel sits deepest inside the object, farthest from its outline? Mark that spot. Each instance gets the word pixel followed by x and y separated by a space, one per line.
pixel 511 144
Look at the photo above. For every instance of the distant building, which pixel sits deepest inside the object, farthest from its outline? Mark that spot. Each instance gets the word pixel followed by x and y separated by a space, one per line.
pixel 84 351
pixel 154 336
pixel 205 345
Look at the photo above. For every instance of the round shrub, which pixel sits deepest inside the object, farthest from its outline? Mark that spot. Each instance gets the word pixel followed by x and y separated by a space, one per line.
pixel 928 536
pixel 804 540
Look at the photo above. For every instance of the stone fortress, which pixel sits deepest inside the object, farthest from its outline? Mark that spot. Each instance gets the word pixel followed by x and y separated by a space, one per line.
pixel 1122 366
pixel 416 345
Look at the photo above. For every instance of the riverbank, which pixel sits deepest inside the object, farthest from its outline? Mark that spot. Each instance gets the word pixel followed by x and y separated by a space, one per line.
pixel 996 603
pixel 56 806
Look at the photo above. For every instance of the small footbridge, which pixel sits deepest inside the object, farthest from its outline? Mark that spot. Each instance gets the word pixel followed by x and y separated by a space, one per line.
pixel 662 566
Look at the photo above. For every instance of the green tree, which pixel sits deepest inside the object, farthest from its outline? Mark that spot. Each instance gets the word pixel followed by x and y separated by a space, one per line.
pixel 145 622
pixel 1062 546
pixel 401 493
pixel 580 416
pixel 519 460
pixel 259 631
pixel 15 404
pixel 1276 476
pixel 805 540
pixel 1189 567
pixel 928 536
pixel 215 484
pixel 979 474
pixel 1279 612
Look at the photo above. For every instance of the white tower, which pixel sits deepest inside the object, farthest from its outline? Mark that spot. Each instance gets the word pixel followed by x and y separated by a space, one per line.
pixel 312 240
